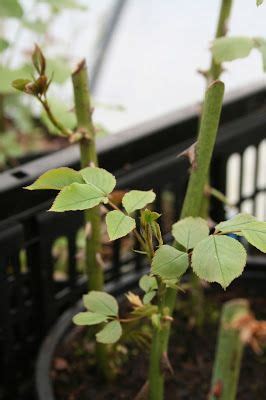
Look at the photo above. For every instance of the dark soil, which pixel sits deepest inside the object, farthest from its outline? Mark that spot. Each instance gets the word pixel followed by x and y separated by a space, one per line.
pixel 191 354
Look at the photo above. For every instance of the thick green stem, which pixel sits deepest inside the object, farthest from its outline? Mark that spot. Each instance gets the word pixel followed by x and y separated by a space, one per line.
pixel 203 153
pixel 229 352
pixel 205 144
pixel 213 74
pixel 94 269
pixel 88 157
pixel 192 205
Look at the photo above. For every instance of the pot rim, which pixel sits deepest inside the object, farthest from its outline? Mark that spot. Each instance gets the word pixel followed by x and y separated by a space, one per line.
pixel 43 382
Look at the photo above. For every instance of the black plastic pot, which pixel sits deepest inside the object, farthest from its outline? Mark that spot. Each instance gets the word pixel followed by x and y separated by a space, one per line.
pixel 253 283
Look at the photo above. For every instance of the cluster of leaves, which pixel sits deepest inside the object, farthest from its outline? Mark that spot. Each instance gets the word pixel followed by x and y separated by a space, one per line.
pixel 89 187
pixel 102 308
pixel 215 257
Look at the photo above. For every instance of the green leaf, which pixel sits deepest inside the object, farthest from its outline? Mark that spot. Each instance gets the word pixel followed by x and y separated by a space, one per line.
pixel 149 217
pixel 58 69
pixel 259 2
pixel 77 197
pixel 99 179
pixel 148 283
pixel 169 263
pixel 248 226
pixel 119 224
pixel 189 231
pixel 4 44
pixel 137 199
pixel 236 224
pixel 38 60
pixel 147 298
pixel 231 48
pixel 101 302
pixel 20 84
pixel 10 8
pixel 89 318
pixel 219 259
pixel 56 179
pixel 255 233
pixel 111 333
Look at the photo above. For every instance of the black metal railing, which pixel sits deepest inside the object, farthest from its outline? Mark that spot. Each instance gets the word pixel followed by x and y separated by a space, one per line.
pixel 33 291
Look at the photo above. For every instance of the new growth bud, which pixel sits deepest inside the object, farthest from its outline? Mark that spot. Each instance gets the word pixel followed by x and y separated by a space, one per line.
pixel 38 60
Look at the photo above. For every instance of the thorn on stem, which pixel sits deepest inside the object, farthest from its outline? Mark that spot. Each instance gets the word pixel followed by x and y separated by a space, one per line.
pixel 190 153
pixel 205 73
pixel 165 364
pixel 99 260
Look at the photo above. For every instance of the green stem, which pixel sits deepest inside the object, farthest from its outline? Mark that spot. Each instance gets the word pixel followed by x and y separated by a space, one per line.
pixel 156 370
pixel 204 149
pixel 228 353
pixel 213 74
pixel 192 205
pixel 156 378
pixel 88 156
pixel 57 124
pixel 203 153
pixel 221 30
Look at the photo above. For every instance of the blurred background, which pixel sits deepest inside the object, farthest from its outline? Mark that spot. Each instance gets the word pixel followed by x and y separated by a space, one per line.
pixel 143 59
pixel 147 52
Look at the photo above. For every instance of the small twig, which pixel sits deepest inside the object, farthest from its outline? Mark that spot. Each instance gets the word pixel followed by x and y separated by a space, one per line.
pixel 65 132
pixel 210 191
